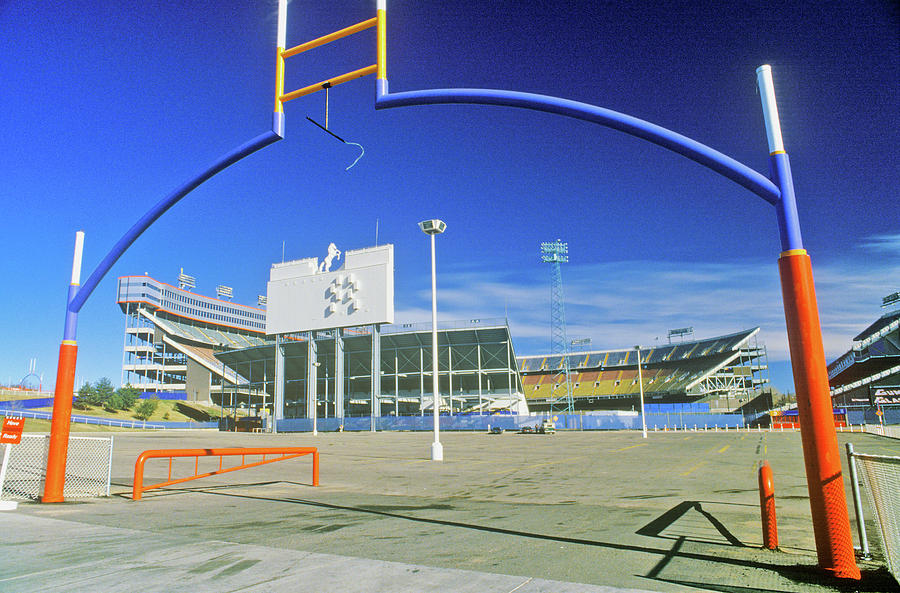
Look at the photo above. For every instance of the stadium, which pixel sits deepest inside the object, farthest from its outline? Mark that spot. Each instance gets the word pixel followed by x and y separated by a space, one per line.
pixel 183 345
pixel 866 378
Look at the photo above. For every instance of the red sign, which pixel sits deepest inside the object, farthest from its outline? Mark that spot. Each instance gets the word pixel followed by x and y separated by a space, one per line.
pixel 12 430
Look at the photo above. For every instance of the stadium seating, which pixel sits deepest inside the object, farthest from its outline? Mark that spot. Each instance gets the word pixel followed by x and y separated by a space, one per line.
pixel 670 371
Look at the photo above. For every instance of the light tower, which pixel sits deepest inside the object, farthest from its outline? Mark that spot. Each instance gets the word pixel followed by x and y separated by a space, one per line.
pixel 556 253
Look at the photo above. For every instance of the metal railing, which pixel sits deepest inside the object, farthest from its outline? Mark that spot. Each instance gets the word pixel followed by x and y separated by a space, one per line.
pixel 881 476
pixel 170 454
pixel 78 419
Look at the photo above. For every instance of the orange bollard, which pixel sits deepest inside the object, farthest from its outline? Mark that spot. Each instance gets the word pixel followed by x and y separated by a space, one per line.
pixel 767 507
pixel 315 479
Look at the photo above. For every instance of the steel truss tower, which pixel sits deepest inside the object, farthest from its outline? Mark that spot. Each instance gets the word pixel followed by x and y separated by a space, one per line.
pixel 561 392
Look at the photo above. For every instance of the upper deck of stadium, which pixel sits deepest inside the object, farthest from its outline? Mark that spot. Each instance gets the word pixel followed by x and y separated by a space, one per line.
pixel 870 366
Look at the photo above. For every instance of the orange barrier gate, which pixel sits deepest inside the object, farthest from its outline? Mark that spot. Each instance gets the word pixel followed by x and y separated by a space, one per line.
pixel 284 452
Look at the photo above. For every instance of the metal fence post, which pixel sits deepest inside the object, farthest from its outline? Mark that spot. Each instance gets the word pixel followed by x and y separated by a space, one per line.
pixel 857 503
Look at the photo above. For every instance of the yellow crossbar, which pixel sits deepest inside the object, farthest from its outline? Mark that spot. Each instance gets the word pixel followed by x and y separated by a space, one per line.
pixel 330 37
pixel 308 90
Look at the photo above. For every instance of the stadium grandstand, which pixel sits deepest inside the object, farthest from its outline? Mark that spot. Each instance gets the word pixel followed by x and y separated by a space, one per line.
pixel 182 345
pixel 179 344
pixel 725 371
pixel 172 335
pixel 868 374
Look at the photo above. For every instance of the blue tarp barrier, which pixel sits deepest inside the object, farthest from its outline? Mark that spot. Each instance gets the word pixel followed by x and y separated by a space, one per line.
pixel 27 404
pixel 610 421
pixel 172 395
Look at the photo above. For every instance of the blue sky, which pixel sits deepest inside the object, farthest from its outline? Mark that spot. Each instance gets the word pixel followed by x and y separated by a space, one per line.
pixel 106 107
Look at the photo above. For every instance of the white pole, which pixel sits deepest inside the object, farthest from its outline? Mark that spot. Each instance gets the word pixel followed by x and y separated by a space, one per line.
pixel 770 109
pixel 76 260
pixel 282 25
pixel 437 450
pixel 641 387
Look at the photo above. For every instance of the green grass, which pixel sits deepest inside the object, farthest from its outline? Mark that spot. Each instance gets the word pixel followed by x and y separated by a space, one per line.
pixel 166 411
pixel 40 425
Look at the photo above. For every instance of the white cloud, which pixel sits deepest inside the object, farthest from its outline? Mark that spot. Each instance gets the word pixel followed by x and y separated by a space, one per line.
pixel 620 304
pixel 889 244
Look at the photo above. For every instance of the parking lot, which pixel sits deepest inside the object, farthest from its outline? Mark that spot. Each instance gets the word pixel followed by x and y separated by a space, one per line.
pixel 678 511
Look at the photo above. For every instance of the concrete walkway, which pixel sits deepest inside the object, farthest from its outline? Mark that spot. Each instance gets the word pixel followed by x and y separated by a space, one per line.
pixel 51 555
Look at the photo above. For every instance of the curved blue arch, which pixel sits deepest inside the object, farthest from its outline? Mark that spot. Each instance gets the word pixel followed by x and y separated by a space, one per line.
pixel 78 299
pixel 700 153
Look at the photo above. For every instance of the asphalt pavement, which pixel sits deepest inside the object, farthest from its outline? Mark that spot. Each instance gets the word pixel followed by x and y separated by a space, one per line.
pixel 574 511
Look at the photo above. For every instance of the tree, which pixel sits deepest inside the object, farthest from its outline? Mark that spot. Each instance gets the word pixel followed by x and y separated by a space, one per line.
pixel 114 402
pixel 129 396
pixel 87 396
pixel 104 390
pixel 146 408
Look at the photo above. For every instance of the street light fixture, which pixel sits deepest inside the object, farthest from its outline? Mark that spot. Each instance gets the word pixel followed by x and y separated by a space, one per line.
pixel 434 227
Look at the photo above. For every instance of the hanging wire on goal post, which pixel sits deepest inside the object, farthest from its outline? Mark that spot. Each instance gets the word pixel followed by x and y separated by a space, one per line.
pixel 324 128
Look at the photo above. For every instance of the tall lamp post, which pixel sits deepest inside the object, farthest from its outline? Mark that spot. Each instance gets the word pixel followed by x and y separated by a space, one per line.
pixel 641 387
pixel 434 227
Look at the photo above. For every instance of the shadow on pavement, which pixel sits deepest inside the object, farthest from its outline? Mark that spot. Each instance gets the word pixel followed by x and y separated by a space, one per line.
pixel 872 581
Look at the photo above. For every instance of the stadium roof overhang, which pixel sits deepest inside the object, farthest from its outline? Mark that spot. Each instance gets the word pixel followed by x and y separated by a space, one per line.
pixel 732 344
pixel 296 348
pixel 880 327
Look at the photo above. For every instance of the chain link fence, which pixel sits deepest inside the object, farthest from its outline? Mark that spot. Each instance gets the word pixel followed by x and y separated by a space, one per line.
pixel 88 467
pixel 881 478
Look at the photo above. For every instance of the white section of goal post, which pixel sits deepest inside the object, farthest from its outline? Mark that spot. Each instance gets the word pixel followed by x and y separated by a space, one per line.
pixel 282 24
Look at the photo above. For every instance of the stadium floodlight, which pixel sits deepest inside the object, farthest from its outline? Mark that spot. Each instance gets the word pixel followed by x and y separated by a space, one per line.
pixel 582 344
pixel 185 281
pixel 434 227
pixel 557 251
pixel 681 332
pixel 224 292
pixel 261 300
pixel 890 300
pixel 641 388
